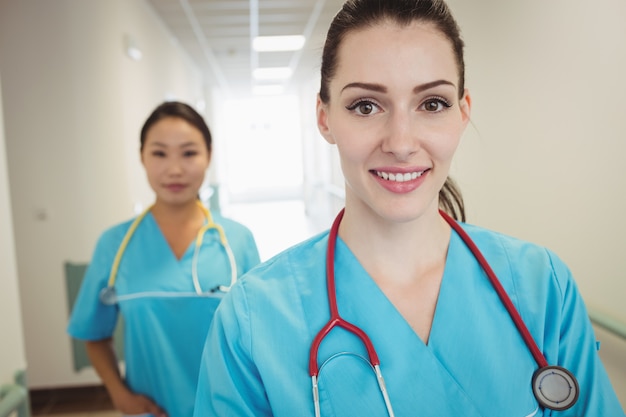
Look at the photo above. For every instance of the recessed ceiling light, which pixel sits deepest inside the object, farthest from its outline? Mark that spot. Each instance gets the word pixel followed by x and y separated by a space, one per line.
pixel 278 43
pixel 268 90
pixel 272 73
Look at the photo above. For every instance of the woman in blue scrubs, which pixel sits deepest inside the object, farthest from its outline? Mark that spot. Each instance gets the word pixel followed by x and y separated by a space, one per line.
pixel 394 103
pixel 166 284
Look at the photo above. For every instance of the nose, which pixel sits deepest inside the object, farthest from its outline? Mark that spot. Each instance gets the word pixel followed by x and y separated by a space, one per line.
pixel 174 167
pixel 401 135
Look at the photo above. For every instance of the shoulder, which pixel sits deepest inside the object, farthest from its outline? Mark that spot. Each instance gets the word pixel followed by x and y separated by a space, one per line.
pixel 297 259
pixel 114 234
pixel 515 248
pixel 229 225
pixel 527 263
pixel 118 229
pixel 109 242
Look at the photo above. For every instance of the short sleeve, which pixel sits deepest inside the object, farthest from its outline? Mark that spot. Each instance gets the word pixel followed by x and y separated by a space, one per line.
pixel 577 352
pixel 90 319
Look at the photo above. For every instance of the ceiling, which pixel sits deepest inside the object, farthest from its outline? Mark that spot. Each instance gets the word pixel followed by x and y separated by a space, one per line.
pixel 218 34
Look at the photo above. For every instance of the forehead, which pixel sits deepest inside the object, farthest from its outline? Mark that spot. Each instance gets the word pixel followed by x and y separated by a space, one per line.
pixel 416 52
pixel 173 129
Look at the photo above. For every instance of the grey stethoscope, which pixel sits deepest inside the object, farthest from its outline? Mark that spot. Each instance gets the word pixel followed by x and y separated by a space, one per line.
pixel 554 387
pixel 108 294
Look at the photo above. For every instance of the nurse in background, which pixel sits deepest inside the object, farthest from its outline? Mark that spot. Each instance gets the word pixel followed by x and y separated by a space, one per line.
pixel 167 286
pixel 394 102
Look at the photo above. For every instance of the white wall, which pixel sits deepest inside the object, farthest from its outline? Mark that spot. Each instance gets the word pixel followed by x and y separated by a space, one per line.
pixel 12 355
pixel 74 104
pixel 544 159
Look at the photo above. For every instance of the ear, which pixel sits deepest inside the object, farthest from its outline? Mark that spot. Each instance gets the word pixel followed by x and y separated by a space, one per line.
pixel 322 120
pixel 466 106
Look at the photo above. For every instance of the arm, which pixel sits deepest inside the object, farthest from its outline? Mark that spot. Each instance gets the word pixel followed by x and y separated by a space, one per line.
pixel 578 352
pixel 103 358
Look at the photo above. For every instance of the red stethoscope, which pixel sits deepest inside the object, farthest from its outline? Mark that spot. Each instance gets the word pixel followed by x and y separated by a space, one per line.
pixel 554 387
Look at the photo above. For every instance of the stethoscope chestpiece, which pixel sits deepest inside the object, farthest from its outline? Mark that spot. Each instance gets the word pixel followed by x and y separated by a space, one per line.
pixel 555 388
pixel 108 296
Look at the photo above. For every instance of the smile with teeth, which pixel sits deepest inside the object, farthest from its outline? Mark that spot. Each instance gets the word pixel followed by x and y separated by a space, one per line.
pixel 400 177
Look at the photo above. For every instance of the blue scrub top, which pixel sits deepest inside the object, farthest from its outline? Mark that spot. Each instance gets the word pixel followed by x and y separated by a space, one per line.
pixel 474 365
pixel 165 320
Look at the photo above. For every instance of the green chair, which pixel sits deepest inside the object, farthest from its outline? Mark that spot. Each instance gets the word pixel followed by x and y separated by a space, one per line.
pixel 14 398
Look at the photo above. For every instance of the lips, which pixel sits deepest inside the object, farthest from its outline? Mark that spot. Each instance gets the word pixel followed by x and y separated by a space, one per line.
pixel 400 176
pixel 175 187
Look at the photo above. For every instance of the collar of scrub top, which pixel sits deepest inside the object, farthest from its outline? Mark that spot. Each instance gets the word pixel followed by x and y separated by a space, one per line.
pixel 554 387
pixel 108 295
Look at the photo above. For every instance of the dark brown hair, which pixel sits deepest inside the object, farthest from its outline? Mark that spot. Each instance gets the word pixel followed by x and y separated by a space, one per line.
pixel 178 110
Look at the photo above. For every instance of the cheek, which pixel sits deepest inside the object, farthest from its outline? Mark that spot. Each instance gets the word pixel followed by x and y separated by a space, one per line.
pixel 354 144
pixel 151 167
pixel 199 169
pixel 444 145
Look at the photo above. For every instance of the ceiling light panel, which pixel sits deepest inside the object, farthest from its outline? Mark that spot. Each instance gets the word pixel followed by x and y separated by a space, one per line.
pixel 278 43
pixel 272 73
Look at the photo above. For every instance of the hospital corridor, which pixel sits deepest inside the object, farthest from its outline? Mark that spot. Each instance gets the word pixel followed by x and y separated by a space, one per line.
pixel 536 151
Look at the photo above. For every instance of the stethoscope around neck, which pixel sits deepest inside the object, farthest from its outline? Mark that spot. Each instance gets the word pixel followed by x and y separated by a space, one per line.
pixel 554 387
pixel 109 296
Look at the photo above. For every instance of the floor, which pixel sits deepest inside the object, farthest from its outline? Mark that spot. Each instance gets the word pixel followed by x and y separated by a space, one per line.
pixel 92 401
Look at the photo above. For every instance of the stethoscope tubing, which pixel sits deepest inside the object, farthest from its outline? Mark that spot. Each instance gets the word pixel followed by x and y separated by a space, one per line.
pixel 108 296
pixel 335 318
pixel 504 297
pixel 551 379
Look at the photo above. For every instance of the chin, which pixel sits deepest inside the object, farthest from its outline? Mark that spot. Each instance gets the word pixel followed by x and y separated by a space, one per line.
pixel 178 199
pixel 404 212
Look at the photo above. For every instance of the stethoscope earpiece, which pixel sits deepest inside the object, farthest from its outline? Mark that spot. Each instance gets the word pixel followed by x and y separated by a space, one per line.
pixel 555 388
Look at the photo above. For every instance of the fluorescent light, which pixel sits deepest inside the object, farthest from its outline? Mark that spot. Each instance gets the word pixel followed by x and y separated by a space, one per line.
pixel 268 90
pixel 278 43
pixel 272 73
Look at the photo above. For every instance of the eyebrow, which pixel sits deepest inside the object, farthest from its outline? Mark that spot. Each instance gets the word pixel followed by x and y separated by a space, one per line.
pixel 163 145
pixel 382 89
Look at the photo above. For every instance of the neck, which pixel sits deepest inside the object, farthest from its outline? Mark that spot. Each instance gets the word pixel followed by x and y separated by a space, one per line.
pixel 176 213
pixel 394 252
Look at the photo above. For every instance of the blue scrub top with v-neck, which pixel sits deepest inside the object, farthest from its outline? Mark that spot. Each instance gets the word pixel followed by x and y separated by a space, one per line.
pixel 474 365
pixel 165 321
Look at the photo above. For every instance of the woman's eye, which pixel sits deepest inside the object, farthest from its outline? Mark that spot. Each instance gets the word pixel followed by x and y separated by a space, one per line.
pixel 364 107
pixel 190 153
pixel 158 154
pixel 434 105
